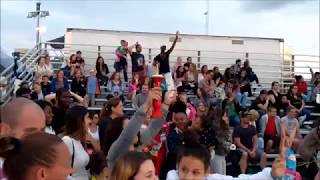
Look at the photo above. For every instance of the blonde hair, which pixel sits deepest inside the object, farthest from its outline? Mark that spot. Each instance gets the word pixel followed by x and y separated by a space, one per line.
pixel 127 167
pixel 254 115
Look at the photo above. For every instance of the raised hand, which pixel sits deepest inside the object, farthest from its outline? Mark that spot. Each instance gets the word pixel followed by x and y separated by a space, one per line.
pixel 170 97
pixel 279 164
pixel 154 94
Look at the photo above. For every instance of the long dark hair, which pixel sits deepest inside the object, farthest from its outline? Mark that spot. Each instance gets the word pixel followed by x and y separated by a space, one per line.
pixel 70 59
pixel 75 122
pixel 106 111
pixel 290 93
pixel 112 132
pixel 32 150
pixel 202 69
pixel 227 73
pixel 104 66
pixel 178 73
pixel 241 79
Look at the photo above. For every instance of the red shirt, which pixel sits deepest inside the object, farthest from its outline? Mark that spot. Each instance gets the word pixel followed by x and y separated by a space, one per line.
pixel 271 129
pixel 302 87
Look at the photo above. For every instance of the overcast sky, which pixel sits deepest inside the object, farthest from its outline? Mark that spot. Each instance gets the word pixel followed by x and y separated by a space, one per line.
pixel 297 21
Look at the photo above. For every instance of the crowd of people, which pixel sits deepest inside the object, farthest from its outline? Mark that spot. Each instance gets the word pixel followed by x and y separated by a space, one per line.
pixel 206 122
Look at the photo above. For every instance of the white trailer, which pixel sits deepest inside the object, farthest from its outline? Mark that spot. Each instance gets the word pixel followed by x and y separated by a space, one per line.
pixel 264 54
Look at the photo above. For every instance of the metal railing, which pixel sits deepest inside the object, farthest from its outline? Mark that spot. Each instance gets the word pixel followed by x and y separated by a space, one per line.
pixel 24 72
pixel 269 67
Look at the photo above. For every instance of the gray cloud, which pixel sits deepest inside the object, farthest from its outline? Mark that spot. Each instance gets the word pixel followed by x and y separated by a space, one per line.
pixel 268 5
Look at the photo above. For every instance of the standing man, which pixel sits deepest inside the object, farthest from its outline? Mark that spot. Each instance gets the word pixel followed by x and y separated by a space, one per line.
pixel 163 59
pixel 138 62
pixel 121 60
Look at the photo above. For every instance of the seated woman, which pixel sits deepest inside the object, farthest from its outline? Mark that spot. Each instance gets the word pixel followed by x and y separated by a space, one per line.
pixel 47 61
pixel 228 75
pixel 115 86
pixel 192 77
pixel 59 82
pixel 207 87
pixel 66 67
pixel 232 108
pixel 102 70
pixel 296 101
pixel 73 63
pixel 206 133
pixel 78 84
pixel 179 76
pixel 47 109
pixel 216 73
pixel 302 87
pixel 275 96
pixel 202 73
pixel 42 68
pixel 252 76
pixel 42 155
pixel 133 87
pixel 244 83
pixel 37 92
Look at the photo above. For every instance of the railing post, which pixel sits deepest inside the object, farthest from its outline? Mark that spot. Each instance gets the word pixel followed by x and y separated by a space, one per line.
pixel 199 54
pixel 292 67
pixel 45 48
pixel 149 55
pixel 99 49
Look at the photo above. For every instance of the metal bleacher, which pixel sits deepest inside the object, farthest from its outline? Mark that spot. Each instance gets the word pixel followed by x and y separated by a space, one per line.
pixel 296 64
pixel 26 65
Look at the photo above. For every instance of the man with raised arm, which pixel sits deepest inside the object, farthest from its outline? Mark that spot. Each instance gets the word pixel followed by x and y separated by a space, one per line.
pixel 137 62
pixel 163 59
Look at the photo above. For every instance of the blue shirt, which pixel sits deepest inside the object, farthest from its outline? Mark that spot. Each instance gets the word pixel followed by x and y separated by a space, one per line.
pixel 92 85
pixel 291 160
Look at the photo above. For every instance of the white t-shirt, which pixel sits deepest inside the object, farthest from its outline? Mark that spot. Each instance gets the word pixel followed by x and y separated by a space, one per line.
pixel 200 77
pixel 265 174
pixel 81 159
pixel 43 69
pixel 49 130
pixel 95 135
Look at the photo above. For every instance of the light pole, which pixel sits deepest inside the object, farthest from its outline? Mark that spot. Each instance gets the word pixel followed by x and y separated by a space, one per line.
pixel 38 14
pixel 207 18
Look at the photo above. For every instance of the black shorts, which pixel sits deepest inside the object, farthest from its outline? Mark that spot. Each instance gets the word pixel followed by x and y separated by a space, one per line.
pixel 259 153
pixel 275 139
pixel 121 65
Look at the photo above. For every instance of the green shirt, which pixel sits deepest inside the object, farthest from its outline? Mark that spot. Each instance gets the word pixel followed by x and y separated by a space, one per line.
pixel 231 110
pixel 122 50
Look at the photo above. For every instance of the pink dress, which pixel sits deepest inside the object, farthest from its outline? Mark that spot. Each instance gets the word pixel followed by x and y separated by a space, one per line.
pixel 191 112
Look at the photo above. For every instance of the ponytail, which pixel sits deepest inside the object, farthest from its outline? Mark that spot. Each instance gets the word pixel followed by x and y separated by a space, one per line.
pixel 9 146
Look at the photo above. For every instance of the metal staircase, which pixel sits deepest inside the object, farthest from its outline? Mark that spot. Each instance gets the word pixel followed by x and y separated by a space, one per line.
pixel 290 64
pixel 21 71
